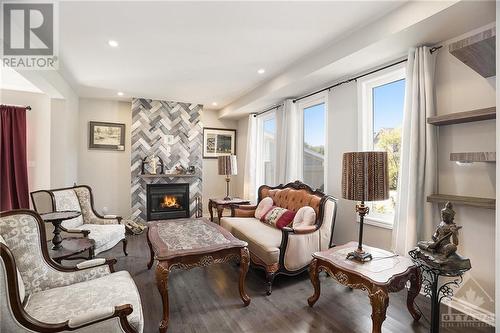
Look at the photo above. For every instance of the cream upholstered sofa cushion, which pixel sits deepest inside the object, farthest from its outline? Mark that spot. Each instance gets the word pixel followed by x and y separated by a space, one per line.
pixel 71 302
pixel 263 240
pixel 105 236
pixel 305 216
pixel 263 207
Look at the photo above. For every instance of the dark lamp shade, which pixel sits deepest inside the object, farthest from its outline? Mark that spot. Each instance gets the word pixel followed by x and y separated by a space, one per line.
pixel 365 176
pixel 227 165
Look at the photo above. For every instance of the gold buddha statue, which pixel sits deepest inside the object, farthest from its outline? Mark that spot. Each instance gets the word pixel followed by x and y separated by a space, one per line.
pixel 445 238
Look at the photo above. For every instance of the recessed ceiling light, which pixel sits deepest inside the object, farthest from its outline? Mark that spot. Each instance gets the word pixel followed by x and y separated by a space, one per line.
pixel 112 43
pixel 214 103
pixel 120 93
pixel 261 71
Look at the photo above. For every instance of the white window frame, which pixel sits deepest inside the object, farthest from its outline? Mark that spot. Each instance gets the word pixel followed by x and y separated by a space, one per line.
pixel 320 98
pixel 365 130
pixel 260 147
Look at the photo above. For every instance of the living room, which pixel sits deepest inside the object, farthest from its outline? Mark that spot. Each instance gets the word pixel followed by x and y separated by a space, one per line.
pixel 217 166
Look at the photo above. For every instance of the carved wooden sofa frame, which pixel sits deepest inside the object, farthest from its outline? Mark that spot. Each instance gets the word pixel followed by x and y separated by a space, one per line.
pixel 279 268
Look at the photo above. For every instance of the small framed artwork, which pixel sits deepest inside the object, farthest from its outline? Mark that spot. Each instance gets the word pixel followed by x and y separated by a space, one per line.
pixel 107 136
pixel 218 142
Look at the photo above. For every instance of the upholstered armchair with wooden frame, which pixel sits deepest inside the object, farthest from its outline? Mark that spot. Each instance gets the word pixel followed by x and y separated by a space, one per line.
pixel 107 231
pixel 38 295
pixel 287 251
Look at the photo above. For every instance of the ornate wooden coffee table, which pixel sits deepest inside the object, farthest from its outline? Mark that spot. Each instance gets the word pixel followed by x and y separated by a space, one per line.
pixel 386 273
pixel 189 243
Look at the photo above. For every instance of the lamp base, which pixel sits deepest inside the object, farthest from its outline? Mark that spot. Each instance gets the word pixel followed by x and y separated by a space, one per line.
pixel 227 198
pixel 359 255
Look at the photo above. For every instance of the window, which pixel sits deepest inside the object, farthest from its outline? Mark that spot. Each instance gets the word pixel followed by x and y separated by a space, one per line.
pixel 382 105
pixel 314 142
pixel 266 150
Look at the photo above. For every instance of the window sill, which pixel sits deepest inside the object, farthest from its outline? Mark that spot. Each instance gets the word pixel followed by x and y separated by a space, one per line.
pixel 377 223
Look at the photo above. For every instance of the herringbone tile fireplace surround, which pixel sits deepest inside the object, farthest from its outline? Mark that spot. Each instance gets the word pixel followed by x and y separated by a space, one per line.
pixel 152 121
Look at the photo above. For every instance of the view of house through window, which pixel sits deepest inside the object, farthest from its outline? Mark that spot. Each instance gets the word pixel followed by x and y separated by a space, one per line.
pixel 388 104
pixel 314 146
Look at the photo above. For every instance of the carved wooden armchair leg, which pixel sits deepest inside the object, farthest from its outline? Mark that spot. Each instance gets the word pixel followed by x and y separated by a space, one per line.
pixel 270 278
pixel 125 242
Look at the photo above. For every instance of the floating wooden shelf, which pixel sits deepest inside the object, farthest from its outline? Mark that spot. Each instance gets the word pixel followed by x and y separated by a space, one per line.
pixel 168 176
pixel 474 157
pixel 463 117
pixel 487 203
pixel 477 52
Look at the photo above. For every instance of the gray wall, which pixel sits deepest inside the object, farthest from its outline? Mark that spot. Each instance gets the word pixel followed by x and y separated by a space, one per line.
pixel 214 186
pixel 107 172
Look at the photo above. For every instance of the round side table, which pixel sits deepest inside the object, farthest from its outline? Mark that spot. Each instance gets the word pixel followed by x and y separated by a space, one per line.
pixel 69 247
pixel 56 218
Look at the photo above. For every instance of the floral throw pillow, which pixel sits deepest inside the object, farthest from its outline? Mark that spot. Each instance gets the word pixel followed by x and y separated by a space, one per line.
pixel 278 217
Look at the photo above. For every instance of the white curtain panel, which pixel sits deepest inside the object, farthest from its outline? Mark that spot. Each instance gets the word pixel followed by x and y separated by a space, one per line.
pixel 249 185
pixel 418 166
pixel 286 159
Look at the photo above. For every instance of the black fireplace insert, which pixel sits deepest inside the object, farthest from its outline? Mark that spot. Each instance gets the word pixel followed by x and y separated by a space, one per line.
pixel 167 201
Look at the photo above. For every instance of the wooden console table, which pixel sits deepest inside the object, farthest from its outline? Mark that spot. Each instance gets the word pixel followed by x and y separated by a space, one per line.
pixel 189 243
pixel 220 204
pixel 386 273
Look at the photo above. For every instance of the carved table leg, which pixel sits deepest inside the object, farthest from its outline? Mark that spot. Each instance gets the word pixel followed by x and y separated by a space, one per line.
pixel 244 264
pixel 151 252
pixel 220 210
pixel 314 276
pixel 162 284
pixel 210 207
pixel 125 242
pixel 379 299
pixel 415 285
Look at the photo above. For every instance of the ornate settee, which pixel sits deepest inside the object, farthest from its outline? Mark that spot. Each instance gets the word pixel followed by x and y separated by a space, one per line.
pixel 284 251
pixel 106 231
pixel 38 295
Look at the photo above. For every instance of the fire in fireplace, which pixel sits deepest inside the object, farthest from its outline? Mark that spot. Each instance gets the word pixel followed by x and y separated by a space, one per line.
pixel 167 201
pixel 170 201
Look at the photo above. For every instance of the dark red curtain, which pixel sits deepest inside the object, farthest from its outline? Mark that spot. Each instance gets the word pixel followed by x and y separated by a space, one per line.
pixel 13 163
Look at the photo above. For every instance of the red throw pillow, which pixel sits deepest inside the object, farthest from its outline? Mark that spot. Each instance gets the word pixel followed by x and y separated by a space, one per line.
pixel 278 217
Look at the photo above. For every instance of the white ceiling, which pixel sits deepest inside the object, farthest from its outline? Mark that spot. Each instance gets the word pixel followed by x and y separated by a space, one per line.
pixel 379 43
pixel 12 80
pixel 199 52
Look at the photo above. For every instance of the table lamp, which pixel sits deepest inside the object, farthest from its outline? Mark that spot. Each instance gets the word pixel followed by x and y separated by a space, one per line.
pixel 227 167
pixel 364 178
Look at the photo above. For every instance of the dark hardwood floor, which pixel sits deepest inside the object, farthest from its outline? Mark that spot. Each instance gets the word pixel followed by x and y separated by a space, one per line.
pixel 207 300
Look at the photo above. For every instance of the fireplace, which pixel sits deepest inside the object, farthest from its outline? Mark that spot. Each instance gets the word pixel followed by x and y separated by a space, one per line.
pixel 167 201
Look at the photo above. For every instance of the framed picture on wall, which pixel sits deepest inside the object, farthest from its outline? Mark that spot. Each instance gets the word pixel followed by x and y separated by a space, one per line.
pixel 218 142
pixel 107 136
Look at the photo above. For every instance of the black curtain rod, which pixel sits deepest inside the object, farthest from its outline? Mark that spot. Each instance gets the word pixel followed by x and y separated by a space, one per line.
pixel 266 110
pixel 432 50
pixel 22 106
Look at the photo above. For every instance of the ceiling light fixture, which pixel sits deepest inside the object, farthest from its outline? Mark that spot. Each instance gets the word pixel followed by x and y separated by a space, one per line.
pixel 120 93
pixel 112 43
pixel 214 103
pixel 261 71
